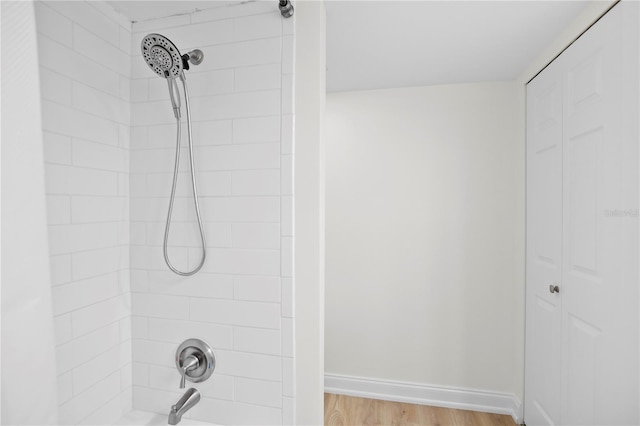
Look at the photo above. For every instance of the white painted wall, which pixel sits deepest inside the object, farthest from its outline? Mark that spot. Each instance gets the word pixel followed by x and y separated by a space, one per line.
pixel 514 302
pixel 28 358
pixel 84 76
pixel 423 232
pixel 241 301
pixel 309 204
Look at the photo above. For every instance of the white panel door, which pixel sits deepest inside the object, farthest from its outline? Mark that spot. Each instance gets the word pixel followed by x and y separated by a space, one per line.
pixel 600 234
pixel 582 343
pixel 544 247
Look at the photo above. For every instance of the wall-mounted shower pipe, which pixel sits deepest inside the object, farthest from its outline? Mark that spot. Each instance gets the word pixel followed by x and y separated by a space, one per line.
pixel 195 56
pixel 164 59
pixel 286 8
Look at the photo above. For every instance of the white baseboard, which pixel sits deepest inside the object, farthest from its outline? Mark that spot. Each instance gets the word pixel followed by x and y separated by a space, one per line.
pixel 415 393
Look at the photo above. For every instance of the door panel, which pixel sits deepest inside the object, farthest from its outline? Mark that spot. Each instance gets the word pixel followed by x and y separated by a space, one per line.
pixel 582 343
pixel 544 233
pixel 590 329
pixel 600 156
pixel 584 205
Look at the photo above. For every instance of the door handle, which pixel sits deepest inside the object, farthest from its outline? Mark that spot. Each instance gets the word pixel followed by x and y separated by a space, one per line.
pixel 554 288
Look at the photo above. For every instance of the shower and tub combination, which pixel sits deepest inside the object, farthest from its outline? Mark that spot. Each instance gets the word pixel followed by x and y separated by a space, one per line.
pixel 195 359
pixel 156 287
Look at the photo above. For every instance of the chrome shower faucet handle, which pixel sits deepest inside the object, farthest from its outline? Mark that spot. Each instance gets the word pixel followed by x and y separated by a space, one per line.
pixel 190 363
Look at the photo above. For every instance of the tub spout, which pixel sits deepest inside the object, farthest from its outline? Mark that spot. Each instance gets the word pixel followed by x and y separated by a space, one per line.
pixel 190 398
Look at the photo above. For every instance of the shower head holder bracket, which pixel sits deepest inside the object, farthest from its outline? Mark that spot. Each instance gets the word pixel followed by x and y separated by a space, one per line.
pixel 185 62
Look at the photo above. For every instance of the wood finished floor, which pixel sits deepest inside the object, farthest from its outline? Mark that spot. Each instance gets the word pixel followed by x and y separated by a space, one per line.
pixel 340 410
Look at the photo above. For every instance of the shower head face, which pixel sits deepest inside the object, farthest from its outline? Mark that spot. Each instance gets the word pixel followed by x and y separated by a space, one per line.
pixel 162 56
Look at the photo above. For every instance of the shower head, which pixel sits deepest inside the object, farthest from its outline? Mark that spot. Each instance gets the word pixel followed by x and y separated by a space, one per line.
pixel 162 56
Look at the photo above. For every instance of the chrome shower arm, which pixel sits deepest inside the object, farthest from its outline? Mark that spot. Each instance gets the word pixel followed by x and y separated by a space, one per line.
pixel 286 8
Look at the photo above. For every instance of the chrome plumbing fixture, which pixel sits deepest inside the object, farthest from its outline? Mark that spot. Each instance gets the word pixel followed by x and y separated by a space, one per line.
pixel 195 56
pixel 190 363
pixel 190 398
pixel 164 58
pixel 286 8
pixel 195 361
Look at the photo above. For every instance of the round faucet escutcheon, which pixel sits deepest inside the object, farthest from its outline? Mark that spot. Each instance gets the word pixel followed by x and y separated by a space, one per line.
pixel 195 361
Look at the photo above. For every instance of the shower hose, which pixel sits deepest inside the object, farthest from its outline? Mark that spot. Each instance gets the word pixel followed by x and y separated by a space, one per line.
pixel 174 86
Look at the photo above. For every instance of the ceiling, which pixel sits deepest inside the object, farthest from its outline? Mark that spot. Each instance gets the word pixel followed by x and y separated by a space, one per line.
pixel 393 43
pixel 142 10
pixel 382 44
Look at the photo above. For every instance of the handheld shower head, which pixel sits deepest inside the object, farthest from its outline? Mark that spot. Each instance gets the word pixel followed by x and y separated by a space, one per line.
pixel 162 56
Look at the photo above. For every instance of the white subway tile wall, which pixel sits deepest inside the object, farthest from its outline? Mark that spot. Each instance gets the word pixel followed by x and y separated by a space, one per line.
pixel 84 75
pixel 242 301
pixel 109 137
